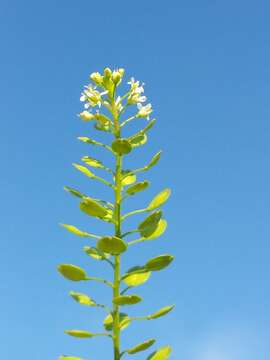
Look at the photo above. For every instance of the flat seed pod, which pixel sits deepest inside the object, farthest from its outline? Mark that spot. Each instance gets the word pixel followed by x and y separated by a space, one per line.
pixel 79 333
pixel 135 279
pixel 74 192
pixel 159 262
pixel 95 253
pixel 64 357
pixel 160 199
pixel 149 225
pixel 154 160
pixel 127 300
pixel 92 162
pixel 128 178
pixel 124 322
pixel 165 310
pixel 112 245
pixel 161 354
pixel 84 170
pixel 121 146
pixel 161 227
pixel 137 140
pixel 72 272
pixel 74 230
pixel 82 299
pixel 141 347
pixel 92 208
pixel 140 186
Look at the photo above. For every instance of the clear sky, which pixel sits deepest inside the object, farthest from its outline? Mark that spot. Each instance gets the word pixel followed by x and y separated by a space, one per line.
pixel 206 69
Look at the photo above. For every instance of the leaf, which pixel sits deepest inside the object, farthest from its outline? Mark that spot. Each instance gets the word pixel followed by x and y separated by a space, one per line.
pixel 163 311
pixel 161 354
pixel 135 279
pixel 75 230
pixel 87 140
pixel 141 347
pixel 92 208
pixel 64 357
pixel 154 160
pixel 149 225
pixel 82 298
pixel 127 300
pixel 95 253
pixel 72 272
pixel 158 263
pixel 84 170
pixel 140 186
pixel 79 333
pixel 124 321
pixel 74 192
pixel 121 146
pixel 112 245
pixel 137 140
pixel 128 178
pixel 92 162
pixel 161 227
pixel 159 200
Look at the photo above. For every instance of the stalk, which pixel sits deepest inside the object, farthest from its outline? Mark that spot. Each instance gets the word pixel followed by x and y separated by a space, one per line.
pixel 117 262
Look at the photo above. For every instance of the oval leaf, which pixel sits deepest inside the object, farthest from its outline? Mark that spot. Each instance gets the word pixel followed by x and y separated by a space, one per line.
pixel 136 279
pixel 128 178
pixel 92 208
pixel 154 160
pixel 121 146
pixel 74 192
pixel 161 354
pixel 112 245
pixel 84 170
pixel 149 225
pixel 123 323
pixel 158 263
pixel 137 140
pixel 72 272
pixel 141 347
pixel 74 230
pixel 140 186
pixel 95 253
pixel 82 299
pixel 127 300
pixel 92 162
pixel 163 311
pixel 160 199
pixel 64 357
pixel 79 333
pixel 161 227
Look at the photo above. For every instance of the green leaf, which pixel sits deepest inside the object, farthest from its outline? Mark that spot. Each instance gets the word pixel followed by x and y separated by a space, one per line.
pixel 72 272
pixel 127 299
pixel 137 140
pixel 74 192
pixel 149 225
pixel 140 186
pixel 141 347
pixel 124 321
pixel 84 170
pixel 112 245
pixel 131 278
pixel 79 333
pixel 158 263
pixel 75 230
pixel 163 311
pixel 82 298
pixel 161 227
pixel 161 354
pixel 95 253
pixel 64 357
pixel 87 140
pixel 159 200
pixel 121 146
pixel 92 208
pixel 154 160
pixel 92 162
pixel 128 178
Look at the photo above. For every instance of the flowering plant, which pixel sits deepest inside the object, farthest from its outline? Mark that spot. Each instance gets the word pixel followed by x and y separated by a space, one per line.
pixel 106 110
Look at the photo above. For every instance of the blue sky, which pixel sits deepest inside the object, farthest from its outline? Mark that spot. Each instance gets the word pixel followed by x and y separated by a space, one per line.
pixel 206 69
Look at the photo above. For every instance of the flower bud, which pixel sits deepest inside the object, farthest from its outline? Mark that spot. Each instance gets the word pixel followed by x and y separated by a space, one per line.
pixel 116 77
pixel 96 77
pixel 107 72
pixel 121 71
pixel 86 116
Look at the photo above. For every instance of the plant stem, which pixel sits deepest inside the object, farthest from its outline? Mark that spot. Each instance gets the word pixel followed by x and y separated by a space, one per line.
pixel 117 274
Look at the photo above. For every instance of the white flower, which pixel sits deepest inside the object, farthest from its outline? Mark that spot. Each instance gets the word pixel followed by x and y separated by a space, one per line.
pixel 136 89
pixel 144 111
pixel 91 96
